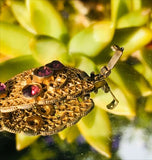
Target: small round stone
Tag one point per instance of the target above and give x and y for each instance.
(31, 90)
(2, 87)
(43, 71)
(55, 65)
(3, 90)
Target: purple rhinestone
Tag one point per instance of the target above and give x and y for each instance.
(55, 65)
(2, 87)
(31, 90)
(43, 71)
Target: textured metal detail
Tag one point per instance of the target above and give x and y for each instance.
(45, 100)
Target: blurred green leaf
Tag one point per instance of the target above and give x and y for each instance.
(147, 64)
(38, 151)
(134, 19)
(85, 64)
(136, 4)
(70, 133)
(14, 66)
(128, 78)
(147, 56)
(92, 40)
(14, 40)
(6, 14)
(148, 105)
(23, 141)
(118, 8)
(95, 128)
(46, 20)
(144, 66)
(22, 15)
(45, 49)
(131, 39)
(130, 81)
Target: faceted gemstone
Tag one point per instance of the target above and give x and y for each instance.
(31, 90)
(2, 87)
(55, 65)
(3, 90)
(43, 71)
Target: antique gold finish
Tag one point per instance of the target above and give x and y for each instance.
(45, 100)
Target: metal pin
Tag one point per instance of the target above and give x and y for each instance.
(115, 57)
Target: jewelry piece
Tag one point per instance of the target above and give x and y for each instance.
(45, 100)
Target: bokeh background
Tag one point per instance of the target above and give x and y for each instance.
(79, 33)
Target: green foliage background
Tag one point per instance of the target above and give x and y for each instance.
(79, 34)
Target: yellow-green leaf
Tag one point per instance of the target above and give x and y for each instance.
(14, 40)
(132, 39)
(134, 19)
(70, 134)
(22, 15)
(85, 64)
(6, 14)
(23, 141)
(46, 49)
(145, 65)
(45, 19)
(148, 105)
(95, 128)
(118, 8)
(147, 57)
(93, 39)
(126, 77)
(14, 66)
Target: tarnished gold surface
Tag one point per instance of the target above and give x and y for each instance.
(61, 102)
(46, 119)
(45, 100)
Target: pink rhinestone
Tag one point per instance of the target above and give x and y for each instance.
(43, 71)
(2, 87)
(34, 90)
(31, 90)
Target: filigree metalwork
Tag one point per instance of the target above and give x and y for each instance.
(45, 100)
